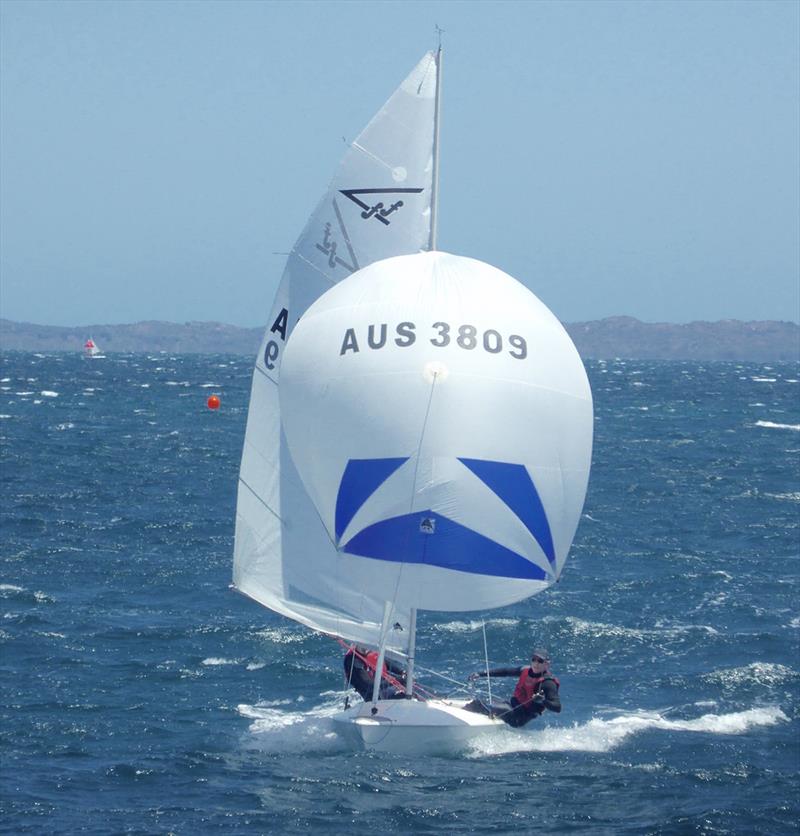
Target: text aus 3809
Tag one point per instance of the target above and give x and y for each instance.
(405, 334)
(440, 335)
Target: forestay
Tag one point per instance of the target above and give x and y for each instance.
(441, 420)
(379, 204)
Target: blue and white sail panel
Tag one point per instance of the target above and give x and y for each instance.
(440, 419)
(377, 205)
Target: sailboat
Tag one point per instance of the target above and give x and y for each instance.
(419, 432)
(91, 349)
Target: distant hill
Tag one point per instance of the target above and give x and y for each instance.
(726, 339)
(152, 336)
(617, 336)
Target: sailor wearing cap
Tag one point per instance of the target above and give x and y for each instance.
(537, 690)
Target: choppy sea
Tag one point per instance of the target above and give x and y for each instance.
(140, 695)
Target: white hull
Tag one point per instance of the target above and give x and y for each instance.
(411, 727)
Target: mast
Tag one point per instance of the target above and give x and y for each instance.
(412, 641)
(435, 173)
(412, 625)
(376, 688)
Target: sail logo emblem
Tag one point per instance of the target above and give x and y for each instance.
(379, 210)
(456, 546)
(427, 525)
(330, 246)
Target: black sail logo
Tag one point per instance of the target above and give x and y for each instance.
(383, 203)
(330, 246)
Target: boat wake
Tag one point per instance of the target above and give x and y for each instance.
(282, 726)
(286, 726)
(603, 735)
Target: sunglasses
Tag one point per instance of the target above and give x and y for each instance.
(538, 659)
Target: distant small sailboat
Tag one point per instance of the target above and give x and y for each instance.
(91, 349)
(420, 427)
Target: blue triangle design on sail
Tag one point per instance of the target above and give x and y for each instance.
(361, 478)
(429, 538)
(513, 484)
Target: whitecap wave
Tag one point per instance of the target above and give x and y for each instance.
(764, 673)
(791, 497)
(599, 630)
(48, 394)
(10, 588)
(216, 660)
(603, 735)
(475, 624)
(773, 426)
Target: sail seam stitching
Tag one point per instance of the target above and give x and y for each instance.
(314, 267)
(277, 516)
(266, 374)
(372, 156)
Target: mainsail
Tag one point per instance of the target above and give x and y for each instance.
(379, 204)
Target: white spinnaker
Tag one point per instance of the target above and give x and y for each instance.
(461, 408)
(377, 205)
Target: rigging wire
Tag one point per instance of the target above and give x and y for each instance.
(414, 481)
(384, 675)
(349, 679)
(442, 676)
(486, 657)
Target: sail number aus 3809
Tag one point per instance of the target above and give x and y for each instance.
(441, 335)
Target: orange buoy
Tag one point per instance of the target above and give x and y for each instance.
(213, 402)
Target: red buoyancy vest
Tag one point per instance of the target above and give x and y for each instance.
(528, 685)
(372, 663)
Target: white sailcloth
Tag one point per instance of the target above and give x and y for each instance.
(379, 204)
(440, 418)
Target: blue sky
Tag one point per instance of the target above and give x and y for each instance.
(638, 158)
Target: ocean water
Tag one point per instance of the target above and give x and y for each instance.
(141, 695)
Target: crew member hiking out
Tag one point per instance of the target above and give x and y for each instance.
(359, 673)
(537, 690)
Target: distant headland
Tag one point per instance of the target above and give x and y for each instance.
(616, 336)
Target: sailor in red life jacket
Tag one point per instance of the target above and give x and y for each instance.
(359, 671)
(537, 690)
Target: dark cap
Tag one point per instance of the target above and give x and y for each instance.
(542, 653)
